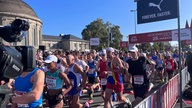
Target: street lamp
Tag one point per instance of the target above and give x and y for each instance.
(134, 11)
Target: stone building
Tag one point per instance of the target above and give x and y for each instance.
(65, 42)
(14, 9)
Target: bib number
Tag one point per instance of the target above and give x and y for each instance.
(91, 71)
(138, 79)
(110, 73)
(51, 82)
(20, 93)
(103, 81)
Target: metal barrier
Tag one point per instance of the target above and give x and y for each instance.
(167, 94)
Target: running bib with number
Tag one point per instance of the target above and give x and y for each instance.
(51, 82)
(20, 93)
(110, 73)
(91, 71)
(138, 79)
(103, 81)
(169, 66)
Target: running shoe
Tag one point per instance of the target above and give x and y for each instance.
(90, 101)
(86, 105)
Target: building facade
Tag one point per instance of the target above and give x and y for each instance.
(65, 42)
(17, 9)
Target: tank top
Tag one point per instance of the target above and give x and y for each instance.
(114, 77)
(103, 67)
(53, 80)
(138, 71)
(170, 65)
(23, 85)
(92, 67)
(74, 77)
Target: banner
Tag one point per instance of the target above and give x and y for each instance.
(185, 34)
(187, 42)
(150, 37)
(156, 10)
(169, 35)
(94, 41)
(124, 44)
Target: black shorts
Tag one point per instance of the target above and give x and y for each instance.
(170, 72)
(52, 100)
(140, 91)
(103, 87)
(160, 68)
(92, 80)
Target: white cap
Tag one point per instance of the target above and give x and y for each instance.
(110, 49)
(168, 55)
(133, 48)
(51, 58)
(103, 52)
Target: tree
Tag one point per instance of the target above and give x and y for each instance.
(101, 30)
(116, 37)
(145, 47)
(155, 46)
(96, 29)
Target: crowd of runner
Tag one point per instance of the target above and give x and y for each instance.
(69, 75)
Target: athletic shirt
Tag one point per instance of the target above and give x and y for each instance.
(160, 63)
(170, 65)
(137, 69)
(60, 65)
(103, 67)
(22, 86)
(74, 78)
(114, 77)
(53, 80)
(92, 67)
(176, 57)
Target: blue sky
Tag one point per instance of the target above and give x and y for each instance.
(72, 16)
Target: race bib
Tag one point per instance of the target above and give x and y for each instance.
(177, 59)
(138, 79)
(110, 73)
(103, 81)
(160, 65)
(51, 82)
(91, 71)
(169, 66)
(20, 93)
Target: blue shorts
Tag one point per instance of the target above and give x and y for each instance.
(73, 91)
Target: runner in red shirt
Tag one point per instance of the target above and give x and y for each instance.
(170, 65)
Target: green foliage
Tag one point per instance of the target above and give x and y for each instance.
(101, 30)
(145, 46)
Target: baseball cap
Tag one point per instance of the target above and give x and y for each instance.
(103, 52)
(110, 49)
(51, 58)
(133, 48)
(168, 55)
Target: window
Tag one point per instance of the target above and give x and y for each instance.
(23, 42)
(75, 46)
(33, 38)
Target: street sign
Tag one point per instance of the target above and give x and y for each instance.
(94, 41)
(124, 44)
(156, 10)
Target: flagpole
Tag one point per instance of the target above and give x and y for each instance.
(179, 43)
